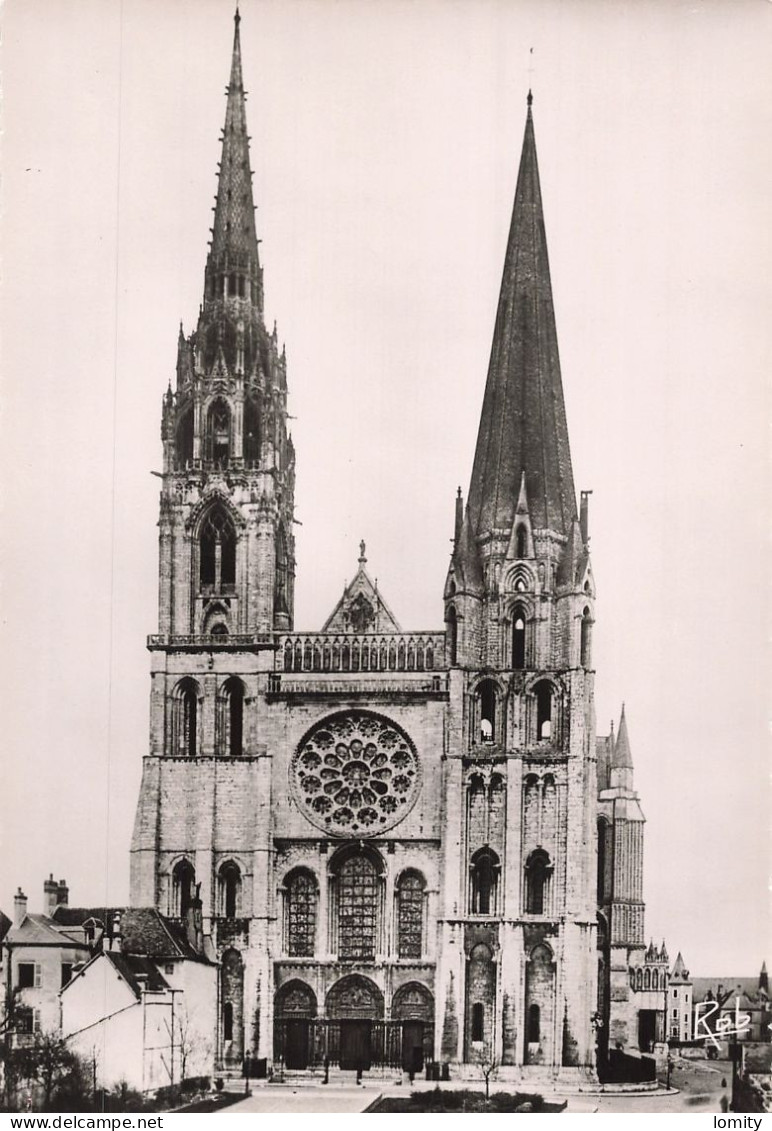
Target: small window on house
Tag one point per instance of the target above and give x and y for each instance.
(26, 975)
(534, 1025)
(169, 968)
(24, 1020)
(478, 1020)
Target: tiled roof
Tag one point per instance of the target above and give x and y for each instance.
(144, 930)
(746, 988)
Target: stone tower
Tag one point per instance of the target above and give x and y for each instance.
(519, 932)
(226, 579)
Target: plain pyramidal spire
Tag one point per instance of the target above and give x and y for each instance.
(622, 756)
(523, 429)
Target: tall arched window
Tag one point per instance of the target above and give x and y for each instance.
(521, 542)
(534, 1025)
(586, 632)
(183, 888)
(452, 622)
(358, 899)
(217, 551)
(486, 696)
(478, 1018)
(229, 889)
(251, 430)
(543, 693)
(231, 721)
(410, 914)
(184, 438)
(537, 873)
(300, 895)
(484, 882)
(218, 432)
(518, 639)
(185, 719)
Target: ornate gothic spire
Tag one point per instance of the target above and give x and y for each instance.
(523, 429)
(233, 264)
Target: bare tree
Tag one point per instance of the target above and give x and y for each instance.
(488, 1067)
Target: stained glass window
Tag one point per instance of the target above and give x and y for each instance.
(357, 908)
(301, 915)
(410, 914)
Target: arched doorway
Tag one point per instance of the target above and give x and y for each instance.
(413, 1006)
(354, 1005)
(294, 1010)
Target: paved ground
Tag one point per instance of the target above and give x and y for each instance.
(699, 1089)
(281, 1098)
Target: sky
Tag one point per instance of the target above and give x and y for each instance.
(385, 143)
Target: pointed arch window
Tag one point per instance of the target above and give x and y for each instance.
(185, 719)
(478, 1021)
(410, 915)
(485, 869)
(184, 438)
(518, 638)
(521, 542)
(229, 889)
(183, 888)
(538, 871)
(300, 904)
(218, 432)
(217, 551)
(251, 430)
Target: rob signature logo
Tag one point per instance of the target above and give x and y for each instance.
(726, 1026)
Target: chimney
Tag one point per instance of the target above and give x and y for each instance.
(116, 937)
(19, 907)
(63, 894)
(50, 893)
(194, 923)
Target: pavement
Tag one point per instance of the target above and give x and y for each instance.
(696, 1087)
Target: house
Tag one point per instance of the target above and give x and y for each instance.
(725, 999)
(143, 1009)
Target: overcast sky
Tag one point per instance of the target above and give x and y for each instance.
(385, 142)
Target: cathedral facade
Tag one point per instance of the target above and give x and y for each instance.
(390, 837)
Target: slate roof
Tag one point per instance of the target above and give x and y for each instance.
(144, 931)
(132, 967)
(746, 988)
(523, 425)
(39, 930)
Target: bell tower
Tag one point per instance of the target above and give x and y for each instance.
(226, 590)
(518, 613)
(226, 544)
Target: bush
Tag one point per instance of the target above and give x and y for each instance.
(195, 1084)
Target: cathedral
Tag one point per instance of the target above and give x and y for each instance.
(402, 848)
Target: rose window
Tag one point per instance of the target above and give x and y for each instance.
(355, 774)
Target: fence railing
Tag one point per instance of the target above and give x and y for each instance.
(361, 652)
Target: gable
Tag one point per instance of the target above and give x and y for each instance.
(361, 608)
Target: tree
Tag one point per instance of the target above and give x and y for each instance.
(49, 1062)
(191, 1045)
(487, 1068)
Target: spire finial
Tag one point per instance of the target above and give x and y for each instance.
(362, 558)
(236, 17)
(529, 99)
